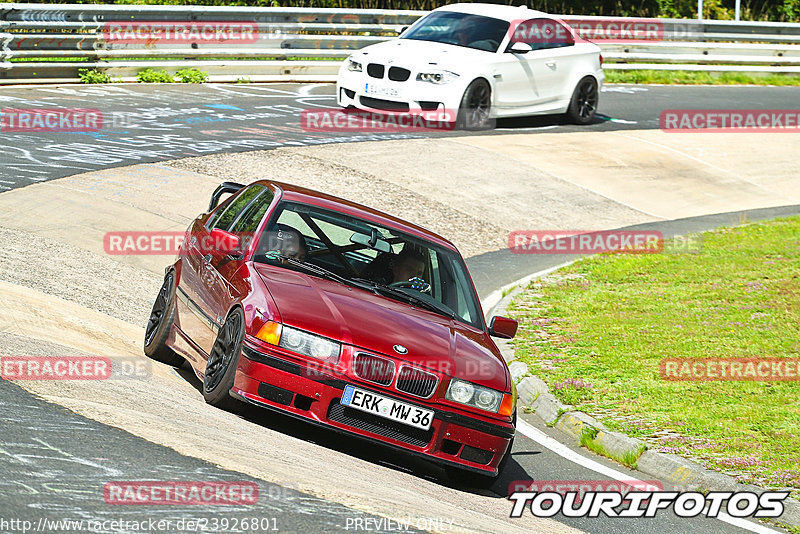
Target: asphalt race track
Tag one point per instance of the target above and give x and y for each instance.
(147, 123)
(55, 462)
(49, 475)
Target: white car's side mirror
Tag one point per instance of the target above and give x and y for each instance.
(520, 48)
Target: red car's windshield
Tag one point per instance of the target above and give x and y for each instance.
(353, 249)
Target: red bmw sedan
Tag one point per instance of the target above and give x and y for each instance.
(342, 316)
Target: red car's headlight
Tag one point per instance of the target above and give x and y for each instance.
(464, 392)
(299, 341)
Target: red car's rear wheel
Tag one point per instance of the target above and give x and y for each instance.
(159, 324)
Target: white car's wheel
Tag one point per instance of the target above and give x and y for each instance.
(473, 112)
(583, 105)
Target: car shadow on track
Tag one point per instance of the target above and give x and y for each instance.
(360, 448)
(547, 122)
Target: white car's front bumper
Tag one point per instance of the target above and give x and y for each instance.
(360, 90)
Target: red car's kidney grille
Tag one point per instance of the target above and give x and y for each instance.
(374, 368)
(416, 382)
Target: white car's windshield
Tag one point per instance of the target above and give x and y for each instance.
(460, 29)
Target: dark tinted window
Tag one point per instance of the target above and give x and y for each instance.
(236, 207)
(543, 33)
(460, 29)
(248, 222)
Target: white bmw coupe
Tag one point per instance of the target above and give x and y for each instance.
(476, 63)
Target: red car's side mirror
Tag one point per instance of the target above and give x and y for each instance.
(503, 327)
(225, 242)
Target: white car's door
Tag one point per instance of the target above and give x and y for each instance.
(541, 75)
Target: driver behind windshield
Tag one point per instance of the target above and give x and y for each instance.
(389, 268)
(409, 264)
(291, 243)
(464, 32)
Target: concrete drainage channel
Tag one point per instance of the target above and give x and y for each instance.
(585, 430)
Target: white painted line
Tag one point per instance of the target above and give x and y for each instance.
(565, 452)
(568, 454)
(306, 89)
(305, 101)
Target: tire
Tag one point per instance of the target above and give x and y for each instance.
(475, 106)
(160, 323)
(583, 105)
(223, 362)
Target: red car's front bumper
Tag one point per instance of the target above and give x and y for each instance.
(270, 381)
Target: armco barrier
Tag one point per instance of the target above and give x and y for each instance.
(49, 43)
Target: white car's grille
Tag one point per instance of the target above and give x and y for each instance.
(376, 70)
(399, 74)
(383, 105)
(396, 74)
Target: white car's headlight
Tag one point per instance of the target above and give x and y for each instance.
(438, 77)
(310, 345)
(353, 66)
(464, 392)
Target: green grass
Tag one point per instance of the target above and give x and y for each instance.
(93, 76)
(597, 330)
(678, 77)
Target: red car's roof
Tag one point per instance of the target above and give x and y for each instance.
(309, 196)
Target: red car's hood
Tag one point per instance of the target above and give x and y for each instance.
(377, 323)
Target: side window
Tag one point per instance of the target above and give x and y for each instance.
(248, 223)
(236, 207)
(542, 34)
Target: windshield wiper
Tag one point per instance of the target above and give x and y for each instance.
(422, 303)
(322, 272)
(363, 283)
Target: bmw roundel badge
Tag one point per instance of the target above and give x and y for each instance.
(400, 349)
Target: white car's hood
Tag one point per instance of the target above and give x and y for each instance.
(414, 54)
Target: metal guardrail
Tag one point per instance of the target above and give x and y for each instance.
(49, 43)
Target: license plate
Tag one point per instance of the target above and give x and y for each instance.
(370, 402)
(380, 90)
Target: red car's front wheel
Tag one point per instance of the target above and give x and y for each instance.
(223, 361)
